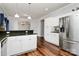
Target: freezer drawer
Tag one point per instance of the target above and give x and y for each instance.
(72, 47)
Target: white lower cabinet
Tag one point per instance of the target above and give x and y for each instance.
(13, 45)
(32, 42)
(24, 43)
(52, 38)
(20, 44)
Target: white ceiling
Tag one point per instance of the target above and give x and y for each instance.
(37, 10)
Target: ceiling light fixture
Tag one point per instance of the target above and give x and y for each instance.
(29, 17)
(16, 15)
(46, 9)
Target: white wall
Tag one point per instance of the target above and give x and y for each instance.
(35, 25)
(62, 11)
(52, 19)
(15, 25)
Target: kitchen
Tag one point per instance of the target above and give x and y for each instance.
(18, 37)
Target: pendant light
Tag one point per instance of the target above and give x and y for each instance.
(29, 5)
(29, 17)
(16, 15)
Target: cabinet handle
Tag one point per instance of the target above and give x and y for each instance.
(3, 42)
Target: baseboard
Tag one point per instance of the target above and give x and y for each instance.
(24, 52)
(40, 37)
(63, 49)
(53, 44)
(47, 41)
(69, 52)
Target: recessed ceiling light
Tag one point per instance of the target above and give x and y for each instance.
(29, 17)
(46, 9)
(16, 16)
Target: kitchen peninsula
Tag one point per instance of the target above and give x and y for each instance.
(18, 42)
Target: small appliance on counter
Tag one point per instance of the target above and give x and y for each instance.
(55, 29)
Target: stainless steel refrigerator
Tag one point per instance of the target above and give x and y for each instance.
(69, 33)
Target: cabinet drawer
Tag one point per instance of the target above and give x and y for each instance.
(72, 47)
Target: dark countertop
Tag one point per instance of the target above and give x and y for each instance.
(16, 30)
(16, 33)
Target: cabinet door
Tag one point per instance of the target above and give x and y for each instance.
(54, 38)
(48, 37)
(13, 46)
(28, 42)
(24, 43)
(32, 42)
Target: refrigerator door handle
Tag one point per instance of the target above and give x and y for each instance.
(71, 42)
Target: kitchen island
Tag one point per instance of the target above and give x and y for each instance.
(15, 44)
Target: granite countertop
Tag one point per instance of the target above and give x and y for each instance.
(3, 34)
(15, 30)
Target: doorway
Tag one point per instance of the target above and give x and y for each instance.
(42, 28)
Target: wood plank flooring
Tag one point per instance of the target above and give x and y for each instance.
(47, 49)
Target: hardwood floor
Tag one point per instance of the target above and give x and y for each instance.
(47, 49)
